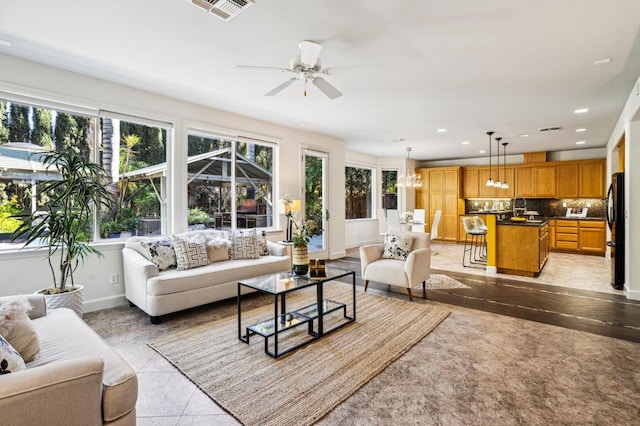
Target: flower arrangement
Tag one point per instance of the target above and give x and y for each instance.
(288, 202)
(406, 217)
(304, 232)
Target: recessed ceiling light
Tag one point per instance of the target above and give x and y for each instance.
(602, 61)
(465, 142)
(442, 130)
(482, 151)
(5, 43)
(524, 135)
(581, 130)
(580, 143)
(581, 110)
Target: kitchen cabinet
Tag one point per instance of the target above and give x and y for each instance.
(552, 234)
(442, 193)
(470, 183)
(567, 184)
(591, 237)
(591, 183)
(579, 236)
(510, 179)
(536, 181)
(580, 179)
(522, 249)
(524, 181)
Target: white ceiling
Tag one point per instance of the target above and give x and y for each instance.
(406, 67)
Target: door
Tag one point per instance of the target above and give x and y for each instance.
(315, 200)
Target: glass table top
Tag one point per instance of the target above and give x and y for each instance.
(284, 282)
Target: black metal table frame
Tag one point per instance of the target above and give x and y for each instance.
(283, 314)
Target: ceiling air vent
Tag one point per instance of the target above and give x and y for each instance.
(223, 9)
(550, 129)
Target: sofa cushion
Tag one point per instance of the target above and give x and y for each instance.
(161, 253)
(16, 327)
(77, 340)
(397, 246)
(10, 359)
(217, 248)
(243, 245)
(190, 253)
(261, 242)
(174, 281)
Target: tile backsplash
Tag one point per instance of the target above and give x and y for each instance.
(547, 207)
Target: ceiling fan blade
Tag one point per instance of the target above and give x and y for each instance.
(257, 67)
(326, 88)
(281, 87)
(309, 52)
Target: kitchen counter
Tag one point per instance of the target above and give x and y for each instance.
(522, 248)
(537, 222)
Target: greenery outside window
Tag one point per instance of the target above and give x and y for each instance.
(389, 189)
(358, 192)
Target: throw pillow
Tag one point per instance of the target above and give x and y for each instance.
(10, 359)
(261, 241)
(16, 327)
(217, 248)
(161, 253)
(243, 246)
(397, 246)
(190, 253)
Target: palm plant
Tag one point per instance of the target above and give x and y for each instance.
(65, 221)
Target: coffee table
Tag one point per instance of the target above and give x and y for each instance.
(312, 314)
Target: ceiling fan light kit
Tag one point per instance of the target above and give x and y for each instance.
(306, 65)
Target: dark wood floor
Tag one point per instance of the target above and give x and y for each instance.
(590, 311)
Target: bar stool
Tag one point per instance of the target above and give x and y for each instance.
(482, 227)
(473, 237)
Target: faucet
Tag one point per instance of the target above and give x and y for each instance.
(519, 209)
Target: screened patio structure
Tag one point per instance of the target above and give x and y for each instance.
(212, 174)
(21, 163)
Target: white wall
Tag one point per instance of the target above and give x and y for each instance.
(629, 125)
(27, 272)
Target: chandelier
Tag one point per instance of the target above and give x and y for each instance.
(505, 185)
(412, 180)
(490, 180)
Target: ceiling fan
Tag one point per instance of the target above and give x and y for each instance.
(306, 66)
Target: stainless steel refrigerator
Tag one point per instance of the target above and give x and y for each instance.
(615, 219)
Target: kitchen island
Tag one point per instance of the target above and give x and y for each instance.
(522, 248)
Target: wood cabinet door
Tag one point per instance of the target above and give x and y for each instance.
(436, 180)
(509, 192)
(450, 216)
(552, 234)
(451, 181)
(592, 180)
(545, 181)
(524, 181)
(591, 237)
(484, 190)
(567, 180)
(422, 201)
(470, 188)
(424, 174)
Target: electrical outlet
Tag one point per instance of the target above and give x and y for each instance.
(588, 204)
(564, 204)
(113, 278)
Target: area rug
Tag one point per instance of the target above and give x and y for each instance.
(442, 282)
(299, 388)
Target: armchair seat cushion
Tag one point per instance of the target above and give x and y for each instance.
(388, 271)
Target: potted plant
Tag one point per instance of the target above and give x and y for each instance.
(300, 239)
(63, 224)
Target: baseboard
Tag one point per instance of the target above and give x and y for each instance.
(105, 303)
(631, 294)
(338, 254)
(492, 270)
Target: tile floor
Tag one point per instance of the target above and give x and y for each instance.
(166, 397)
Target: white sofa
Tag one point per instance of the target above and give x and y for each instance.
(76, 379)
(163, 292)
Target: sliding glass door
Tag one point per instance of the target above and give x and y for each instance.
(315, 200)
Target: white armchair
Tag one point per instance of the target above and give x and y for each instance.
(407, 273)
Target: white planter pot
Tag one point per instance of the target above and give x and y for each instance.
(73, 300)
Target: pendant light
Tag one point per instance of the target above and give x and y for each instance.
(505, 185)
(497, 183)
(489, 181)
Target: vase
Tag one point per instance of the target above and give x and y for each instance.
(72, 299)
(300, 260)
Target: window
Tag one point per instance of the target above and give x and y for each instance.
(389, 189)
(134, 155)
(358, 188)
(27, 132)
(230, 182)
